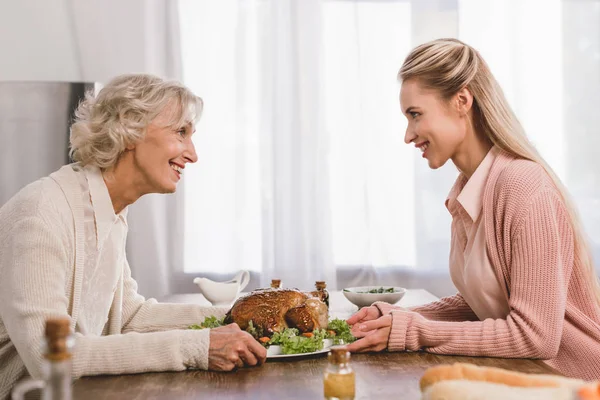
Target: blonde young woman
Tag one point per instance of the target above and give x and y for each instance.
(519, 259)
(62, 245)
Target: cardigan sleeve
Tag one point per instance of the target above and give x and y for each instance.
(34, 265)
(451, 308)
(541, 260)
(141, 315)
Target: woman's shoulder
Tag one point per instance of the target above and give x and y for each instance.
(43, 198)
(519, 176)
(515, 185)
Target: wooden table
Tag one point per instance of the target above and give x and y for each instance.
(378, 375)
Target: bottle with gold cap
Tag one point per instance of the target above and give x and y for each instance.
(57, 350)
(275, 283)
(322, 292)
(339, 378)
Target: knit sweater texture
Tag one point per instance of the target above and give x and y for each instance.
(42, 254)
(553, 316)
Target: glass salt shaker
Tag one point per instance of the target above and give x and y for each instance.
(339, 378)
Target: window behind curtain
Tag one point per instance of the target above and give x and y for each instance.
(372, 171)
(387, 209)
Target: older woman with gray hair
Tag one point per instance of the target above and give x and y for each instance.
(62, 245)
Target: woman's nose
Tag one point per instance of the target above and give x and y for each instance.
(190, 152)
(409, 136)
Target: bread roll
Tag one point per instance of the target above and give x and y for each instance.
(470, 382)
(493, 375)
(480, 390)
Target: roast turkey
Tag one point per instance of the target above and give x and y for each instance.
(272, 310)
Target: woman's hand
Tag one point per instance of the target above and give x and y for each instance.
(364, 314)
(372, 335)
(231, 347)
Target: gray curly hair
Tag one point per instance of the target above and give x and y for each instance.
(106, 124)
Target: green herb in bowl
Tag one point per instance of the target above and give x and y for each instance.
(363, 296)
(379, 290)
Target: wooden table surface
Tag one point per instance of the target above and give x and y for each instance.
(378, 375)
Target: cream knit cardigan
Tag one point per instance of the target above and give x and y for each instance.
(42, 256)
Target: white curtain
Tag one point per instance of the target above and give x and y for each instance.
(138, 36)
(303, 173)
(258, 198)
(154, 246)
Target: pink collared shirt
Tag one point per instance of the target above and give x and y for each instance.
(470, 266)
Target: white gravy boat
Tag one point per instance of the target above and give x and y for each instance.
(223, 293)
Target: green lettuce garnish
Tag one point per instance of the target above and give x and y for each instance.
(292, 343)
(255, 331)
(209, 322)
(342, 331)
(290, 339)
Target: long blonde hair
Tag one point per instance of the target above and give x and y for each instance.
(448, 65)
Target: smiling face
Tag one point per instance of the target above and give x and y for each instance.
(434, 126)
(160, 158)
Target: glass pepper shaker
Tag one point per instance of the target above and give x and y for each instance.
(56, 368)
(339, 378)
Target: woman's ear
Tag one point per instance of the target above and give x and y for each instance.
(463, 101)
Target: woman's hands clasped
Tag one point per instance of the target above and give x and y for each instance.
(371, 329)
(364, 314)
(231, 348)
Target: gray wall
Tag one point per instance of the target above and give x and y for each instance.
(83, 40)
(34, 130)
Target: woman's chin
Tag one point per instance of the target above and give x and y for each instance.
(166, 188)
(434, 164)
(436, 161)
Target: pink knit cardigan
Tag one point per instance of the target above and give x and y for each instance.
(553, 315)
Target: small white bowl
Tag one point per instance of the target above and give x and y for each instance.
(357, 295)
(222, 294)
